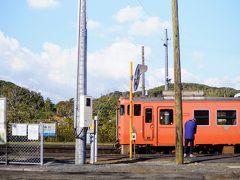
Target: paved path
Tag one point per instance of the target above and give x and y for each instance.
(119, 167)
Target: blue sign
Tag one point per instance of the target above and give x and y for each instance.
(49, 129)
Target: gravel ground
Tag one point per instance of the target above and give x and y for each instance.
(120, 167)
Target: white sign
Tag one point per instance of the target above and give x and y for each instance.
(19, 129)
(134, 136)
(3, 129)
(33, 132)
(49, 129)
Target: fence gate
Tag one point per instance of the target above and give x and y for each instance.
(24, 144)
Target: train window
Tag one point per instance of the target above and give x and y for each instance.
(166, 116)
(226, 117)
(122, 110)
(202, 117)
(148, 115)
(128, 109)
(137, 109)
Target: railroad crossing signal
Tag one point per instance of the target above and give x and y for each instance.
(140, 69)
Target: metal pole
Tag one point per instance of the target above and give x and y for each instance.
(116, 124)
(80, 148)
(96, 138)
(131, 116)
(92, 142)
(134, 150)
(143, 74)
(177, 85)
(6, 146)
(166, 61)
(41, 144)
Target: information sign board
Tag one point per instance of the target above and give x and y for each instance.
(33, 132)
(49, 129)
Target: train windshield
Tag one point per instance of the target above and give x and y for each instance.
(121, 110)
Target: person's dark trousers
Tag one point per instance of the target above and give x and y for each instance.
(191, 141)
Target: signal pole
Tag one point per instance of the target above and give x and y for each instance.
(80, 132)
(130, 112)
(167, 80)
(177, 85)
(143, 74)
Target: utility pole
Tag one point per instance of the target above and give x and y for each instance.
(143, 74)
(177, 85)
(80, 132)
(167, 80)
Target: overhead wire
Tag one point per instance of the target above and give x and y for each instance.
(145, 10)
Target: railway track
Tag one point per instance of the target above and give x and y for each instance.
(70, 149)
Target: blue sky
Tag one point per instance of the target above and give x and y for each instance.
(38, 43)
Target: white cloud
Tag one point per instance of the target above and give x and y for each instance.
(188, 76)
(147, 27)
(18, 65)
(129, 13)
(215, 82)
(114, 61)
(136, 23)
(156, 77)
(52, 71)
(59, 63)
(7, 42)
(109, 67)
(91, 24)
(42, 4)
(223, 82)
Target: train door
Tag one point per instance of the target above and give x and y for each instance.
(148, 124)
(166, 126)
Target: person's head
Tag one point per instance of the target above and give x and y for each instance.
(194, 119)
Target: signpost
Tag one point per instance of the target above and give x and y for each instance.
(140, 69)
(3, 123)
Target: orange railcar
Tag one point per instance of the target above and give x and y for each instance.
(154, 120)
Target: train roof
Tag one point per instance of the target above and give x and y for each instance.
(153, 99)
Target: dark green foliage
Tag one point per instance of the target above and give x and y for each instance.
(22, 105)
(208, 91)
(65, 130)
(65, 108)
(105, 108)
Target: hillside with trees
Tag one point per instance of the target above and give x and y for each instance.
(208, 90)
(25, 106)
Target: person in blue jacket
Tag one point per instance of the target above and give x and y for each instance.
(190, 131)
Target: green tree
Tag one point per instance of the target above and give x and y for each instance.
(66, 131)
(65, 108)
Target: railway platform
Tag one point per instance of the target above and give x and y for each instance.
(115, 166)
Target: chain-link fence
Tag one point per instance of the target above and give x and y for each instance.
(24, 144)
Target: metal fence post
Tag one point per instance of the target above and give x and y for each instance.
(95, 138)
(6, 146)
(41, 144)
